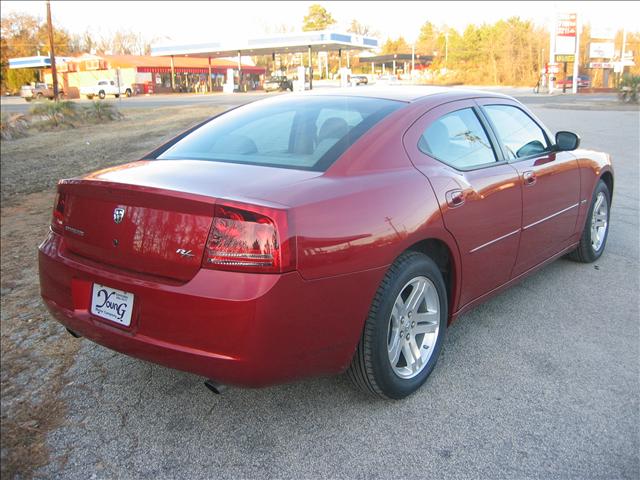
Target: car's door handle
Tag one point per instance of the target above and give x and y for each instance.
(529, 177)
(455, 198)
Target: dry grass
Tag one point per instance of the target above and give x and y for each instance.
(14, 126)
(35, 163)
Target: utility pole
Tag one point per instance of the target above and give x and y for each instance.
(52, 54)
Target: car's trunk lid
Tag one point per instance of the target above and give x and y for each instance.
(154, 217)
(151, 231)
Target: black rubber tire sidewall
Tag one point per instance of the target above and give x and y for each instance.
(391, 385)
(585, 252)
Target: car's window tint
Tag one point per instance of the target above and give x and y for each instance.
(521, 136)
(270, 135)
(305, 132)
(458, 139)
(351, 117)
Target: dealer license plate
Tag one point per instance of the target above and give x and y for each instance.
(112, 304)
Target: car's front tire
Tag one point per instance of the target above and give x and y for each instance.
(596, 228)
(405, 329)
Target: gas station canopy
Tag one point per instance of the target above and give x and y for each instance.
(39, 61)
(324, 40)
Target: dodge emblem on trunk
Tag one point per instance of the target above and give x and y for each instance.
(118, 214)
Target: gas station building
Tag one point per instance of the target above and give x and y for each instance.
(203, 67)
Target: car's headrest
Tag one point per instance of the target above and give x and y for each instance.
(333, 127)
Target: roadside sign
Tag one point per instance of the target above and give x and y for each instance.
(601, 50)
(601, 65)
(566, 26)
(566, 29)
(564, 58)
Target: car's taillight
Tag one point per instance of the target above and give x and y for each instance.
(57, 222)
(249, 239)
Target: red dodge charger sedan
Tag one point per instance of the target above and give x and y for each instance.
(316, 233)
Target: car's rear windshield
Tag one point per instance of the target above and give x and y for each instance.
(301, 132)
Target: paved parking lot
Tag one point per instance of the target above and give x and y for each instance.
(540, 382)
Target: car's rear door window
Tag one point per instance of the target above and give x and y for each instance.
(519, 134)
(304, 132)
(458, 139)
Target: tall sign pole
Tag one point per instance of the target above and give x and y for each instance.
(565, 47)
(552, 53)
(576, 60)
(52, 54)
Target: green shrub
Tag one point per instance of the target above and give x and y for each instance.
(55, 114)
(13, 126)
(101, 111)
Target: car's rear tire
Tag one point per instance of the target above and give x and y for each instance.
(90, 97)
(101, 94)
(596, 229)
(405, 329)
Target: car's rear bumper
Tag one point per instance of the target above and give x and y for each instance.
(236, 328)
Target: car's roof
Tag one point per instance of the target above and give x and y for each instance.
(402, 93)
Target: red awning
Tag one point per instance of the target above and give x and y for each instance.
(216, 69)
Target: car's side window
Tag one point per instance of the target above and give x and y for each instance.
(521, 136)
(458, 139)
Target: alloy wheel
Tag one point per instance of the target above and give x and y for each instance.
(599, 221)
(413, 327)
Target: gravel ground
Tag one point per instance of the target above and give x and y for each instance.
(539, 382)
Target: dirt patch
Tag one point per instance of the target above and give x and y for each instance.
(37, 351)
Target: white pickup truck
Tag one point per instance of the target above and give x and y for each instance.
(104, 88)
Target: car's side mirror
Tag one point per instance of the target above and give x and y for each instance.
(567, 141)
